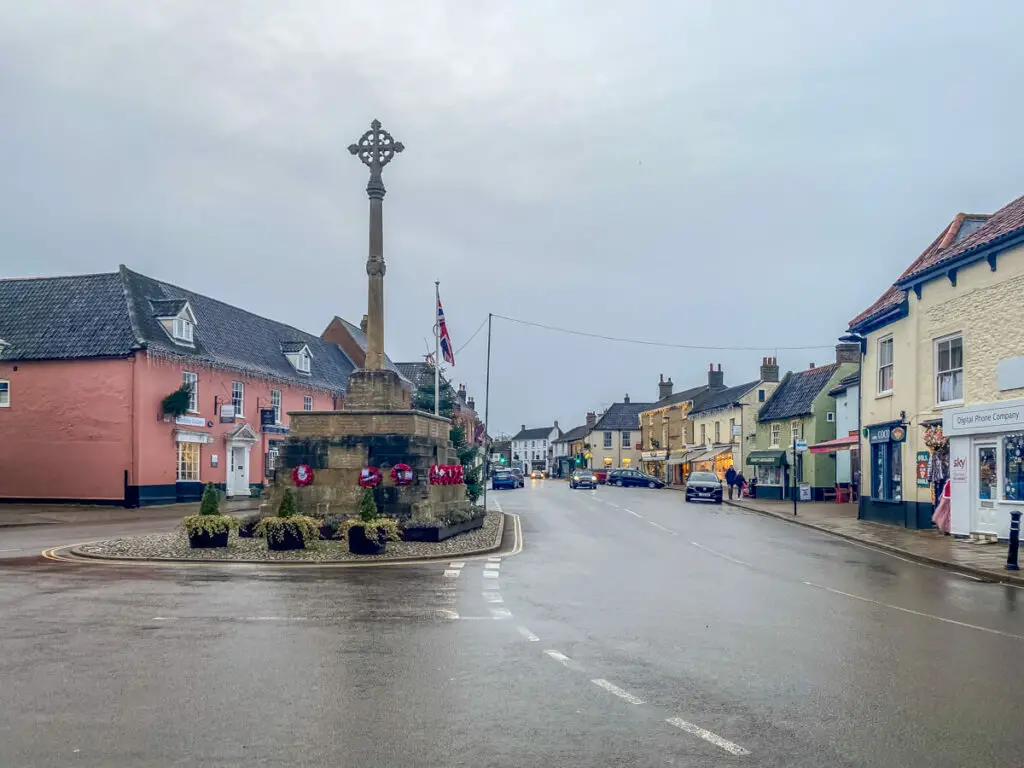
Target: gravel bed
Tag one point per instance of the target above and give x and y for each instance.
(174, 546)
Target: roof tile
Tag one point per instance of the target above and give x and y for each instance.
(796, 394)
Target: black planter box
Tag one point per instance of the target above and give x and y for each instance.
(204, 540)
(290, 540)
(441, 533)
(360, 544)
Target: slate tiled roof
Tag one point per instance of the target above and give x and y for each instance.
(292, 347)
(576, 433)
(679, 397)
(721, 398)
(845, 383)
(938, 250)
(534, 433)
(796, 394)
(360, 339)
(113, 315)
(621, 416)
(61, 318)
(232, 338)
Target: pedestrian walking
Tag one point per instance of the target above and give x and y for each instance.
(741, 483)
(730, 478)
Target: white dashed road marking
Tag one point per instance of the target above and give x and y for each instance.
(459, 564)
(490, 574)
(494, 559)
(708, 736)
(634, 514)
(918, 613)
(452, 573)
(493, 597)
(492, 566)
(561, 658)
(626, 695)
(528, 634)
(447, 614)
(711, 551)
(500, 613)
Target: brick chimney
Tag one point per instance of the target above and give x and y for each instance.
(664, 387)
(810, 366)
(591, 420)
(462, 392)
(471, 403)
(848, 352)
(716, 379)
(556, 425)
(769, 369)
(625, 398)
(523, 429)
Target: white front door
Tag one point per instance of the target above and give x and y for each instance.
(238, 472)
(986, 489)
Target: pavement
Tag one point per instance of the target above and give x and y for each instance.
(12, 515)
(984, 560)
(632, 629)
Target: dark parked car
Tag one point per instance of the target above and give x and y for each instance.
(704, 486)
(503, 478)
(633, 477)
(582, 478)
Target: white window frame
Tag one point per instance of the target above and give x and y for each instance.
(307, 403)
(796, 430)
(776, 434)
(937, 373)
(302, 361)
(762, 395)
(191, 380)
(609, 441)
(188, 476)
(182, 329)
(275, 403)
(830, 416)
(718, 433)
(5, 393)
(703, 434)
(891, 366)
(238, 398)
(627, 436)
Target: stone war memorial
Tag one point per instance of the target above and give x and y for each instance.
(377, 429)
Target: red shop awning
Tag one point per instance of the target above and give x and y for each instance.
(839, 444)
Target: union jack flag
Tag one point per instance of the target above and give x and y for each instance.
(446, 341)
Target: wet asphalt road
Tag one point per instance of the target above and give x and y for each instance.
(717, 637)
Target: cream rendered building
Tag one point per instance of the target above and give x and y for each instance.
(945, 344)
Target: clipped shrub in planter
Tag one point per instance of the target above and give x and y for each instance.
(289, 530)
(247, 528)
(369, 535)
(209, 529)
(331, 527)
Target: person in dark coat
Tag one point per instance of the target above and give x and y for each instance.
(730, 478)
(741, 483)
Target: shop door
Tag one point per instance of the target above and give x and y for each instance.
(986, 489)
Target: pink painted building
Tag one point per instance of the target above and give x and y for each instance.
(86, 361)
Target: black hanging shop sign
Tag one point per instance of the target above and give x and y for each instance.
(267, 417)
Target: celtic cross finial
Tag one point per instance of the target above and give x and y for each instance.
(376, 148)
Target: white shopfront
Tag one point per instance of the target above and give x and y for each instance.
(986, 466)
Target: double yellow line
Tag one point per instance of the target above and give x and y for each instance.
(62, 554)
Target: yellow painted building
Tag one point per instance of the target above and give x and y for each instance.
(667, 433)
(944, 343)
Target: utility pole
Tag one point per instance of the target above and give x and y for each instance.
(487, 412)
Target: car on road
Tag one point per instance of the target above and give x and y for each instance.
(601, 475)
(634, 478)
(537, 475)
(503, 478)
(704, 486)
(582, 478)
(520, 480)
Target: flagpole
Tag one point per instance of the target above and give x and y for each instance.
(437, 349)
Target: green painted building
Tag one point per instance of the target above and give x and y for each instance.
(800, 409)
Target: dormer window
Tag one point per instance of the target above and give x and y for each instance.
(298, 355)
(177, 319)
(182, 330)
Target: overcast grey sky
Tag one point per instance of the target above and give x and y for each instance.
(705, 172)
